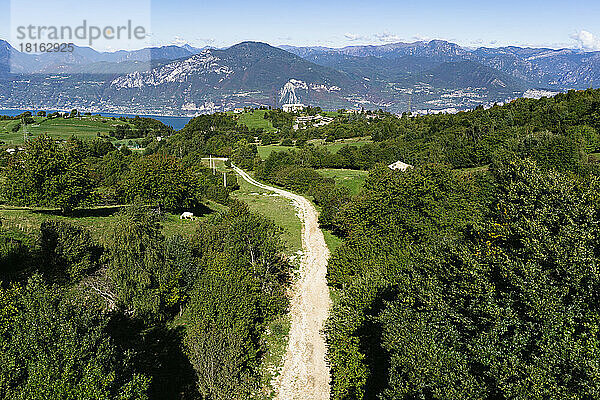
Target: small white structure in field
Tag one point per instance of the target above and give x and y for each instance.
(187, 215)
(400, 166)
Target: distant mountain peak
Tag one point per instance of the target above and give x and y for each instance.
(432, 74)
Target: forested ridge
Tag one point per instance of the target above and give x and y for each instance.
(472, 275)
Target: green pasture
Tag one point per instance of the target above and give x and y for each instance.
(352, 179)
(256, 120)
(84, 127)
(265, 151)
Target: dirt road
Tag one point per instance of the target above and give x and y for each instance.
(305, 374)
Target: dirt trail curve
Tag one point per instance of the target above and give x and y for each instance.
(305, 374)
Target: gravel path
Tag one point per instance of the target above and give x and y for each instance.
(305, 373)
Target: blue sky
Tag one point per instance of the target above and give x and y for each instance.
(469, 23)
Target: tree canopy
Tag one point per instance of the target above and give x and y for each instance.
(49, 175)
(499, 303)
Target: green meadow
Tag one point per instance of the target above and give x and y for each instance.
(265, 151)
(352, 179)
(256, 120)
(84, 127)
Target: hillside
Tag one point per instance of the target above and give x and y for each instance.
(495, 227)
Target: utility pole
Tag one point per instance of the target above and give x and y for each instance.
(225, 179)
(25, 133)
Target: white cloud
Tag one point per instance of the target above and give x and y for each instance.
(587, 40)
(353, 37)
(384, 37)
(387, 37)
(179, 41)
(421, 38)
(205, 41)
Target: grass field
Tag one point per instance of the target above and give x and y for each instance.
(352, 179)
(255, 120)
(332, 241)
(265, 151)
(84, 127)
(277, 209)
(98, 220)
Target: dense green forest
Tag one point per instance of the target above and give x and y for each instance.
(136, 315)
(472, 275)
(468, 286)
(455, 284)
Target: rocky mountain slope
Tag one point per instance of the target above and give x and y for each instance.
(184, 80)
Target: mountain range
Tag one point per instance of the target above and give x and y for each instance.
(183, 80)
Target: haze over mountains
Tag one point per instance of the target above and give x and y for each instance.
(179, 80)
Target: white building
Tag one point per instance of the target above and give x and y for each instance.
(293, 107)
(314, 121)
(400, 166)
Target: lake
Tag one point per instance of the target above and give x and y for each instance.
(176, 123)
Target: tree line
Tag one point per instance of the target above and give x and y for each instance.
(76, 173)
